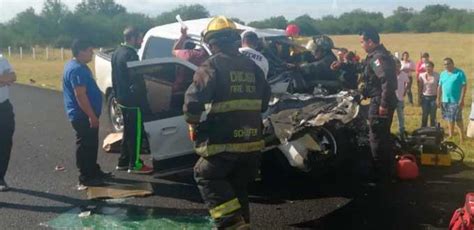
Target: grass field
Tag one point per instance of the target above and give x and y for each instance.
(460, 47)
(44, 73)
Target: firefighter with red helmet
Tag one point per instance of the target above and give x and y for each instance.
(229, 140)
(296, 53)
(292, 30)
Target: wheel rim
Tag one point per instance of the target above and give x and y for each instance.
(327, 143)
(116, 115)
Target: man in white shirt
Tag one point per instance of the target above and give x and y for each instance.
(7, 122)
(249, 45)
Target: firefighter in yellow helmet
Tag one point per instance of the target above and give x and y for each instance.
(230, 138)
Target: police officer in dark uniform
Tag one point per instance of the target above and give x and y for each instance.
(130, 94)
(230, 138)
(380, 84)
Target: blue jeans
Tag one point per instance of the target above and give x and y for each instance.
(428, 108)
(401, 117)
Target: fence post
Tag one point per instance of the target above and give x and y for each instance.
(47, 53)
(9, 51)
(21, 53)
(34, 52)
(62, 53)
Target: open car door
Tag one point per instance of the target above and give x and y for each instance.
(166, 80)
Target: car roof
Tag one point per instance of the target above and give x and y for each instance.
(195, 27)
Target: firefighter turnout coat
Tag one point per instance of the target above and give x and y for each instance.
(233, 90)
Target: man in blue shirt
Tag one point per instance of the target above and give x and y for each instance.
(451, 91)
(83, 104)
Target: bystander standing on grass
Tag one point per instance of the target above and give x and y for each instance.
(451, 92)
(470, 126)
(408, 66)
(420, 68)
(428, 82)
(402, 86)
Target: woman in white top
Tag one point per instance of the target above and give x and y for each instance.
(428, 90)
(408, 67)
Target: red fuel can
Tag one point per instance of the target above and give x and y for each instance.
(407, 169)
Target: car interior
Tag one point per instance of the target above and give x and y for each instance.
(165, 86)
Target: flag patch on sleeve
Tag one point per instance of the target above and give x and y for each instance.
(377, 62)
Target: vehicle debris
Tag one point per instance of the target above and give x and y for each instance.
(59, 168)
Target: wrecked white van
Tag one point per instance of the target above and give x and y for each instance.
(301, 129)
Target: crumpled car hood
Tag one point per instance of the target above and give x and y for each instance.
(290, 114)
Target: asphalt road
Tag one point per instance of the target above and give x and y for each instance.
(44, 139)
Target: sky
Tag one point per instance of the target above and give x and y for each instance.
(249, 10)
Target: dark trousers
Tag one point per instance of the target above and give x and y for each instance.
(132, 138)
(409, 93)
(428, 107)
(381, 143)
(7, 128)
(224, 177)
(87, 144)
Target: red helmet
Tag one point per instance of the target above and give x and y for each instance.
(292, 30)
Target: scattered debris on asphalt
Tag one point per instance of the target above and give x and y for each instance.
(81, 187)
(85, 214)
(59, 168)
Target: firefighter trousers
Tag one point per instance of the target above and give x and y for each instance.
(222, 180)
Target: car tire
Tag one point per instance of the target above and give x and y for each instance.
(275, 168)
(114, 113)
(323, 162)
(348, 155)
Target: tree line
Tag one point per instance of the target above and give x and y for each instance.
(432, 18)
(102, 22)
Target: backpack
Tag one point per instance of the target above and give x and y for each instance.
(463, 218)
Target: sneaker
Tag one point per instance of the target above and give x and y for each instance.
(121, 168)
(81, 187)
(3, 186)
(143, 170)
